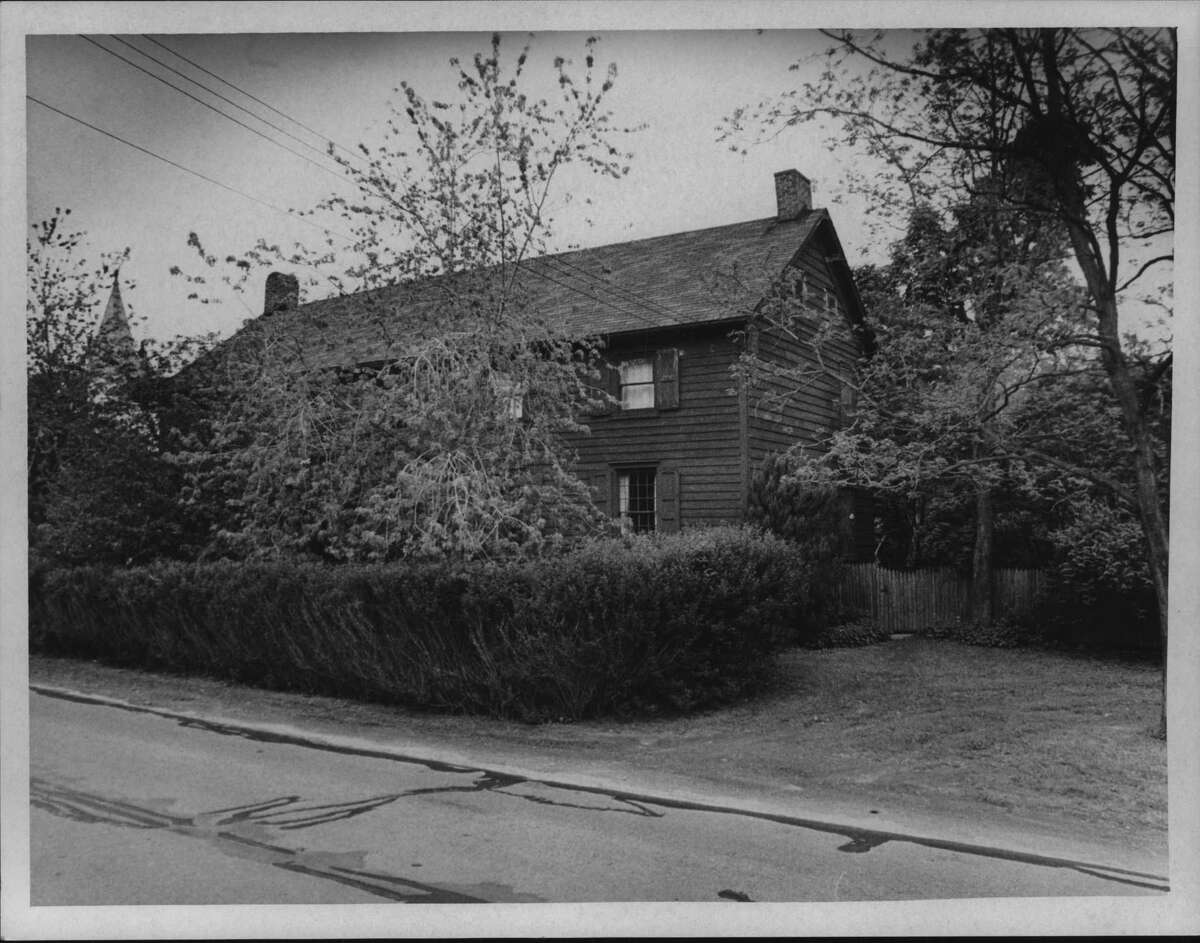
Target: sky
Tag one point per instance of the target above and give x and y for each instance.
(681, 176)
(333, 68)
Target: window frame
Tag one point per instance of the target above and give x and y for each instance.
(646, 520)
(663, 381)
(640, 385)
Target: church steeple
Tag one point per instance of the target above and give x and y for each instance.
(114, 334)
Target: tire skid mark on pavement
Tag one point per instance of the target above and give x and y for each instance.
(859, 840)
(237, 831)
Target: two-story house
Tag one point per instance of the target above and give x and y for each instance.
(675, 313)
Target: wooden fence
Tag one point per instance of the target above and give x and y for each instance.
(912, 600)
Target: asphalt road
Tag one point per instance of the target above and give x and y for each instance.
(130, 807)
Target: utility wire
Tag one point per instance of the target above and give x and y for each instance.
(281, 210)
(278, 209)
(237, 88)
(223, 114)
(634, 297)
(580, 291)
(637, 299)
(272, 206)
(194, 173)
(223, 98)
(360, 184)
(296, 121)
(640, 300)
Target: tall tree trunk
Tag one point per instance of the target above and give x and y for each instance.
(982, 572)
(1133, 417)
(1101, 281)
(1150, 510)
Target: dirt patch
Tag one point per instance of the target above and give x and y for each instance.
(1057, 741)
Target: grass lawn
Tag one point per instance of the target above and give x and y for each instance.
(1042, 736)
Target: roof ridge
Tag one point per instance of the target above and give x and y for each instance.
(765, 221)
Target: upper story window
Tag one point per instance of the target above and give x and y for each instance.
(643, 382)
(637, 384)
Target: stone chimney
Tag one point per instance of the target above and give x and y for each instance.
(283, 293)
(793, 195)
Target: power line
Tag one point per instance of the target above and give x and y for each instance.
(293, 216)
(363, 186)
(640, 300)
(194, 173)
(237, 88)
(359, 183)
(223, 98)
(637, 299)
(579, 291)
(213, 108)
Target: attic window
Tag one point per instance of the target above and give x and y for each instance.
(801, 288)
(830, 299)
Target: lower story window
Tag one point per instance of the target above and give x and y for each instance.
(635, 499)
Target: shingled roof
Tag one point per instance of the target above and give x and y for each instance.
(705, 276)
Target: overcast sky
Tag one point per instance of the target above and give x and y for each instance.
(333, 67)
(681, 176)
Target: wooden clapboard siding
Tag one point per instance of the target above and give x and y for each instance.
(699, 439)
(784, 411)
(724, 424)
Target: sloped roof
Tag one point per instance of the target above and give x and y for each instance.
(708, 275)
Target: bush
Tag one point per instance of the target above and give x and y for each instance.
(1100, 594)
(1003, 633)
(852, 634)
(632, 625)
(810, 517)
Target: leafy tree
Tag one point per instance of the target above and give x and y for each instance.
(100, 486)
(440, 430)
(973, 315)
(1085, 118)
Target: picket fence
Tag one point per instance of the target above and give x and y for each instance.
(913, 600)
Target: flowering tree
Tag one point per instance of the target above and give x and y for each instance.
(441, 431)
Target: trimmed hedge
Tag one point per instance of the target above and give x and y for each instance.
(617, 626)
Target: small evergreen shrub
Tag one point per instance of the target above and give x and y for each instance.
(616, 626)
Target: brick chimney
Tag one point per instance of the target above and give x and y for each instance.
(283, 293)
(793, 195)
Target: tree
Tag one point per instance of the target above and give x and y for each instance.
(971, 316)
(449, 438)
(1085, 118)
(100, 487)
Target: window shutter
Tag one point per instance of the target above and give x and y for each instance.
(666, 501)
(666, 379)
